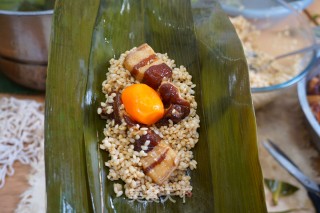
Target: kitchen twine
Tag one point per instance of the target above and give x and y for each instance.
(22, 139)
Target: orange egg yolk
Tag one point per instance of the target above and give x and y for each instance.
(142, 103)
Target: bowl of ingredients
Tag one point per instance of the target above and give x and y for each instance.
(309, 97)
(25, 34)
(266, 44)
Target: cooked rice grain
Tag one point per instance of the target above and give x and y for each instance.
(119, 140)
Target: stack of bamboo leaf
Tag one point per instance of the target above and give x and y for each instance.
(86, 35)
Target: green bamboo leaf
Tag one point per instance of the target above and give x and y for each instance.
(279, 188)
(66, 181)
(104, 47)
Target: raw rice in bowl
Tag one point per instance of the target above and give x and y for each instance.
(263, 42)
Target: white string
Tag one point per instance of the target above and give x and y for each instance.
(33, 200)
(21, 134)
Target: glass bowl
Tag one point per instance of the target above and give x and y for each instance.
(261, 9)
(272, 33)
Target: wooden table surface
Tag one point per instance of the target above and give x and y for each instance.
(17, 184)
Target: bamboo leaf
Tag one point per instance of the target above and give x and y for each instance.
(66, 182)
(279, 188)
(104, 47)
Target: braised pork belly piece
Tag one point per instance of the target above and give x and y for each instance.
(147, 67)
(160, 162)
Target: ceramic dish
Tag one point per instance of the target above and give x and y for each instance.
(262, 9)
(312, 123)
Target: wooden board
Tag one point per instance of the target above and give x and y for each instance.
(14, 186)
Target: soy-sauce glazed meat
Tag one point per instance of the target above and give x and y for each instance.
(313, 95)
(151, 125)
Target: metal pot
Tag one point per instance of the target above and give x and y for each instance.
(24, 36)
(24, 44)
(29, 75)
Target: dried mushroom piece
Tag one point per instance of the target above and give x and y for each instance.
(130, 122)
(177, 108)
(170, 94)
(176, 113)
(155, 74)
(111, 109)
(147, 141)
